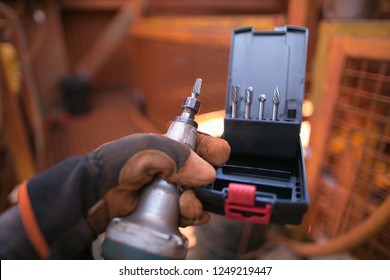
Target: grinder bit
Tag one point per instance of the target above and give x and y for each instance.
(275, 102)
(235, 96)
(183, 129)
(151, 231)
(248, 102)
(262, 99)
(196, 88)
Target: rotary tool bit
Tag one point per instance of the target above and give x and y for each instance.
(275, 102)
(151, 231)
(248, 102)
(183, 129)
(262, 99)
(235, 96)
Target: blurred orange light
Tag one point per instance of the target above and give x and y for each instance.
(211, 123)
(307, 108)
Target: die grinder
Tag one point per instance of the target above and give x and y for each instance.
(151, 231)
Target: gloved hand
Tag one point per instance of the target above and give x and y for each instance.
(61, 210)
(124, 166)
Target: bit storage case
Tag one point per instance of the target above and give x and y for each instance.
(264, 179)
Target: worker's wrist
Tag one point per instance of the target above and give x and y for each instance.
(60, 198)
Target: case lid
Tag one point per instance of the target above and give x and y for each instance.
(266, 61)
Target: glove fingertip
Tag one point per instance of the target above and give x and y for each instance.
(204, 219)
(212, 149)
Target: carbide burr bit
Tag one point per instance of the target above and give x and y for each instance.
(248, 101)
(262, 99)
(235, 97)
(275, 102)
(196, 88)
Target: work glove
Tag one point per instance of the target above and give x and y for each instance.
(61, 211)
(124, 166)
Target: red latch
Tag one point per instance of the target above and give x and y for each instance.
(240, 205)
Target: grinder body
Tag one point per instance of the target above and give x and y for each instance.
(151, 232)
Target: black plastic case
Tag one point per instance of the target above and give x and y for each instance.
(264, 180)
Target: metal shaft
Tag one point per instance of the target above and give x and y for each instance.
(275, 106)
(235, 96)
(248, 102)
(262, 99)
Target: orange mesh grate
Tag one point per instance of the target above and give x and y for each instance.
(108, 120)
(356, 178)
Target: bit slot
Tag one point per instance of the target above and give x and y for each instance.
(265, 167)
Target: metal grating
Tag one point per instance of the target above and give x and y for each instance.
(356, 177)
(166, 72)
(81, 30)
(109, 119)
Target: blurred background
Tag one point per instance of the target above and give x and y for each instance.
(78, 73)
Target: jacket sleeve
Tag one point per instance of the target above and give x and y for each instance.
(49, 221)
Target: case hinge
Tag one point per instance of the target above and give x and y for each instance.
(240, 205)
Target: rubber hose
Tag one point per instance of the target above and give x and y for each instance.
(345, 242)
